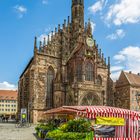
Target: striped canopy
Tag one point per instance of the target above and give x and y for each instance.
(106, 111)
(66, 110)
(94, 111)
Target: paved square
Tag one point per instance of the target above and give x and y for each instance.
(10, 132)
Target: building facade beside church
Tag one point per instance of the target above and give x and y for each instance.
(8, 103)
(68, 69)
(126, 90)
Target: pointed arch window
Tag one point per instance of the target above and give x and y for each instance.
(70, 73)
(89, 71)
(99, 80)
(79, 72)
(50, 78)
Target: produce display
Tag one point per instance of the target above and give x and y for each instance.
(79, 129)
(43, 129)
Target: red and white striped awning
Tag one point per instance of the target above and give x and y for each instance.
(95, 111)
(106, 111)
(67, 110)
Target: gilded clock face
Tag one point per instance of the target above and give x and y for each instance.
(90, 42)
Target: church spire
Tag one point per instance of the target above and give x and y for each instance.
(109, 63)
(44, 41)
(35, 42)
(77, 14)
(89, 29)
(75, 2)
(35, 45)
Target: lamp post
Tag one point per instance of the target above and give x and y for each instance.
(138, 99)
(65, 92)
(29, 107)
(103, 98)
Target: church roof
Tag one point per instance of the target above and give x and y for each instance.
(8, 95)
(27, 66)
(133, 79)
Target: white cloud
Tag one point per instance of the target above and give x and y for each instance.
(98, 6)
(116, 68)
(7, 86)
(93, 25)
(42, 36)
(129, 59)
(118, 34)
(44, 1)
(115, 75)
(48, 29)
(123, 12)
(119, 57)
(20, 10)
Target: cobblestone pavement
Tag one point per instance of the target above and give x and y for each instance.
(10, 132)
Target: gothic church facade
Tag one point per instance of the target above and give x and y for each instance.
(68, 69)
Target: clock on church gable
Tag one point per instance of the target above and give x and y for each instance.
(90, 42)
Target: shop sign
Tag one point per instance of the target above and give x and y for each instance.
(23, 110)
(111, 121)
(23, 114)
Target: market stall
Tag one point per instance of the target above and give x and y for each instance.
(127, 129)
(124, 123)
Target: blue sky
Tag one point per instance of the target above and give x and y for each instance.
(116, 28)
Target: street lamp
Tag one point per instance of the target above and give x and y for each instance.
(65, 92)
(138, 99)
(29, 107)
(103, 97)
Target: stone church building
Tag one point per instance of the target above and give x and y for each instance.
(68, 69)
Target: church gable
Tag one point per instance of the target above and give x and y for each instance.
(79, 52)
(123, 80)
(86, 48)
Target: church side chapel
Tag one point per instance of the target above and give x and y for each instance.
(67, 68)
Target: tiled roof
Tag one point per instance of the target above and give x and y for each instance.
(8, 95)
(133, 79)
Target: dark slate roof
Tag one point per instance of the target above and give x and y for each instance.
(27, 67)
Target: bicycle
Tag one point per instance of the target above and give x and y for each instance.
(22, 124)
